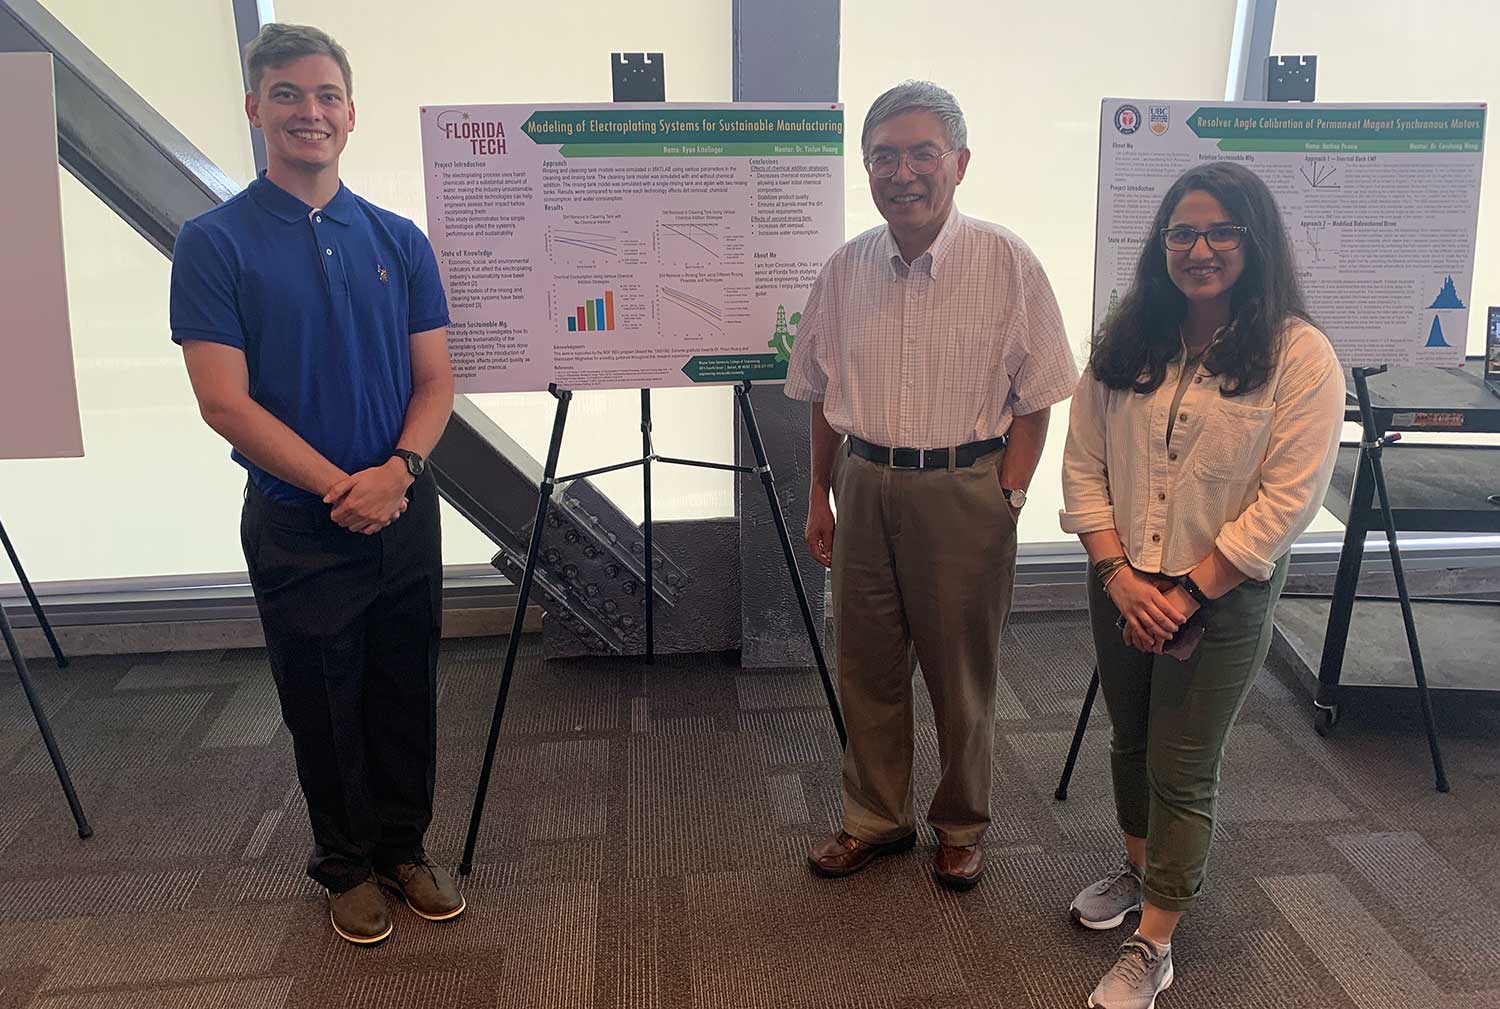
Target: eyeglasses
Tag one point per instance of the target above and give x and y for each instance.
(886, 164)
(1220, 238)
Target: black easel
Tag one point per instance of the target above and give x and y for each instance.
(36, 604)
(1369, 482)
(550, 480)
(637, 77)
(24, 675)
(1083, 723)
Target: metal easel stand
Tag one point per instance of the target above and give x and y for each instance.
(1369, 484)
(24, 675)
(1061, 795)
(36, 604)
(550, 480)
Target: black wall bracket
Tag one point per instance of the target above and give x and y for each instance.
(1291, 78)
(638, 77)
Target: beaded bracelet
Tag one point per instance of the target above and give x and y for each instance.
(1107, 569)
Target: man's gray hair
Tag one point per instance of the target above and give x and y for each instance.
(917, 96)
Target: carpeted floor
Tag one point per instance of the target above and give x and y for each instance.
(644, 848)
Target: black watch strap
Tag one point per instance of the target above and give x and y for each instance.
(1191, 588)
(415, 464)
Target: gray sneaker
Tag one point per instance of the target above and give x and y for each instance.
(1104, 905)
(360, 914)
(1137, 977)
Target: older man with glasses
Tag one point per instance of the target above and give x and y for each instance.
(932, 350)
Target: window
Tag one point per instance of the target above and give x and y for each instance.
(1395, 51)
(156, 494)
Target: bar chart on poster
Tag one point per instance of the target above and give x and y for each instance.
(629, 245)
(38, 396)
(594, 315)
(1380, 202)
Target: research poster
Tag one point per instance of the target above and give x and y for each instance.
(38, 398)
(629, 245)
(1381, 203)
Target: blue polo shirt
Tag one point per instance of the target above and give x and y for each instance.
(323, 303)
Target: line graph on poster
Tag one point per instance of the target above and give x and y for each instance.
(698, 239)
(685, 308)
(1318, 245)
(593, 239)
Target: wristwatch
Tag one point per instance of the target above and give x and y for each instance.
(1015, 498)
(1191, 588)
(415, 464)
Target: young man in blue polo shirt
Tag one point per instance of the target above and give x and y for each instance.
(313, 325)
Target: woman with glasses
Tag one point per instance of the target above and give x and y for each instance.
(1201, 441)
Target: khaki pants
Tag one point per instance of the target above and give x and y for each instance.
(923, 569)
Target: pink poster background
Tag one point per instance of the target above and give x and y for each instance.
(38, 398)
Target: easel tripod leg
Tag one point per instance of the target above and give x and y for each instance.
(1439, 774)
(1083, 723)
(528, 577)
(63, 778)
(752, 431)
(36, 604)
(1372, 447)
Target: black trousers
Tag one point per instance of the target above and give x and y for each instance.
(352, 625)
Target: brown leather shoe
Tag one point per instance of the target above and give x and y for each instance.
(959, 868)
(842, 854)
(360, 914)
(428, 889)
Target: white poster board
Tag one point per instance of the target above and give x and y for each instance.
(613, 246)
(1381, 203)
(38, 398)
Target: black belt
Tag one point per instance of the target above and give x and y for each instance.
(963, 456)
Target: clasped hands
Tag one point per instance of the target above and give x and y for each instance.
(368, 501)
(1153, 608)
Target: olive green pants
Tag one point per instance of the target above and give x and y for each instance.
(1171, 720)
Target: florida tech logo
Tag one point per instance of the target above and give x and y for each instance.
(1127, 119)
(483, 136)
(1160, 117)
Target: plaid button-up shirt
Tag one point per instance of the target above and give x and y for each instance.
(939, 352)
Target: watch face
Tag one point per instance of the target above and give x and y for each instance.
(416, 464)
(1017, 498)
